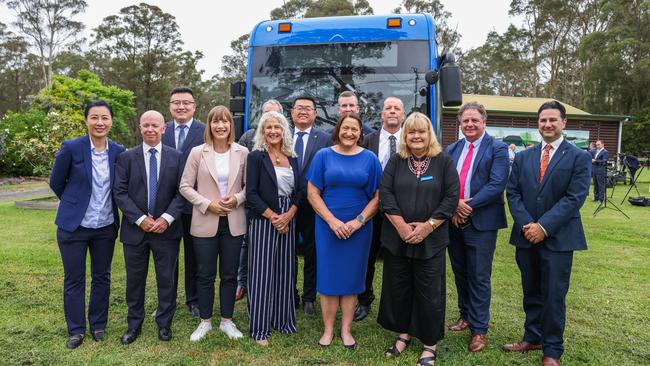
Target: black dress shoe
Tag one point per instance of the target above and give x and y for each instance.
(361, 312)
(130, 336)
(75, 341)
(194, 310)
(308, 307)
(99, 335)
(164, 334)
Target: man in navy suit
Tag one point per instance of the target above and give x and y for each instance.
(599, 170)
(307, 140)
(183, 133)
(384, 144)
(546, 189)
(483, 165)
(146, 190)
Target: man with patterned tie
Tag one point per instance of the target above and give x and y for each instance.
(483, 165)
(384, 144)
(183, 133)
(146, 190)
(546, 189)
(307, 140)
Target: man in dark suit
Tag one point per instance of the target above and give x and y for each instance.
(146, 190)
(183, 133)
(483, 166)
(307, 140)
(599, 171)
(384, 144)
(546, 189)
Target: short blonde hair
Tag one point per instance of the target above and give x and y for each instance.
(287, 136)
(219, 113)
(417, 120)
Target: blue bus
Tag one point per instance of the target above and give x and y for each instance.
(373, 56)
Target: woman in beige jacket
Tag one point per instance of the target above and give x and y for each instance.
(214, 182)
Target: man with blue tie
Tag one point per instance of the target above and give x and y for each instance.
(183, 133)
(146, 190)
(483, 165)
(307, 140)
(546, 189)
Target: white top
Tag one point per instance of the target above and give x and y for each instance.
(285, 180)
(384, 145)
(222, 162)
(554, 146)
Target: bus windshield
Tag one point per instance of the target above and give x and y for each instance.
(373, 71)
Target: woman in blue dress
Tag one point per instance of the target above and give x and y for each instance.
(343, 183)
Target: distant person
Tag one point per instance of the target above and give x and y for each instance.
(343, 184)
(482, 164)
(349, 103)
(632, 164)
(384, 144)
(599, 171)
(546, 189)
(183, 133)
(248, 141)
(87, 221)
(419, 193)
(214, 182)
(592, 149)
(512, 150)
(307, 141)
(150, 223)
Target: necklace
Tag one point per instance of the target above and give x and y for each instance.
(418, 167)
(277, 158)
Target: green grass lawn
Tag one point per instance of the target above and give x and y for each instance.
(608, 317)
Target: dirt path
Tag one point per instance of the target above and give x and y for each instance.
(12, 196)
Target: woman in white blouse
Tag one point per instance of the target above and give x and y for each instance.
(214, 181)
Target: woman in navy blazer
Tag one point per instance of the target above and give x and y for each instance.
(87, 220)
(273, 195)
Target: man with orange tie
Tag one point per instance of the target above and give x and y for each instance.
(482, 165)
(546, 189)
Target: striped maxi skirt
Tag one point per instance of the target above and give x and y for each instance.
(271, 273)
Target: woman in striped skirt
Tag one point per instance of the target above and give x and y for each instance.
(273, 194)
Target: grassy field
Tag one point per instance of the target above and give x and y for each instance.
(608, 319)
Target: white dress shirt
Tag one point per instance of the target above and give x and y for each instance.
(177, 130)
(147, 155)
(305, 139)
(554, 146)
(384, 145)
(461, 160)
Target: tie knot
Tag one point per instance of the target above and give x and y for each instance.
(182, 127)
(301, 133)
(471, 146)
(152, 151)
(392, 137)
(548, 147)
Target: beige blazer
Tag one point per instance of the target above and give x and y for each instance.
(201, 172)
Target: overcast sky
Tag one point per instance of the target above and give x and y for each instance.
(210, 26)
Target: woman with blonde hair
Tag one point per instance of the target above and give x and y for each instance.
(419, 192)
(214, 181)
(274, 194)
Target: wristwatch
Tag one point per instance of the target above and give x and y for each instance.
(361, 219)
(432, 223)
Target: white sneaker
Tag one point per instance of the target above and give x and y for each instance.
(201, 331)
(228, 327)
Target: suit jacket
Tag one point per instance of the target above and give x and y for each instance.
(132, 196)
(262, 184)
(193, 138)
(600, 165)
(317, 140)
(555, 202)
(488, 181)
(71, 181)
(201, 172)
(371, 142)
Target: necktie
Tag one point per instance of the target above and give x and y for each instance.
(181, 137)
(300, 147)
(153, 180)
(546, 157)
(393, 145)
(465, 169)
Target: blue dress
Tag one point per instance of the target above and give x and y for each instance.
(347, 183)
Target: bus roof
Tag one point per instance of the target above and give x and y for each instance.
(364, 28)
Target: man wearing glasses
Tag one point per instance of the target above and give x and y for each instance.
(307, 140)
(183, 133)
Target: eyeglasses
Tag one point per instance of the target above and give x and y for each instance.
(184, 103)
(304, 109)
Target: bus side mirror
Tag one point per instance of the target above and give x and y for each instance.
(450, 85)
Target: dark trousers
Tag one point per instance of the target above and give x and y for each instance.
(73, 247)
(225, 249)
(242, 272)
(545, 279)
(305, 227)
(471, 253)
(189, 261)
(413, 296)
(368, 296)
(599, 183)
(136, 259)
